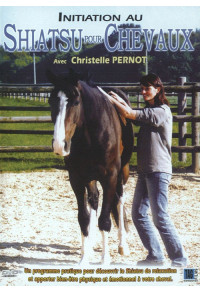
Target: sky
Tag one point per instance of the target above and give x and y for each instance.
(46, 17)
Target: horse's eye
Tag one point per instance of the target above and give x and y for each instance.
(76, 103)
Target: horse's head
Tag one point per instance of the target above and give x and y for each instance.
(66, 110)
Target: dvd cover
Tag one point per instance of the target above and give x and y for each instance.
(90, 51)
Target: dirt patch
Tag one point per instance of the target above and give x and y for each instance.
(39, 222)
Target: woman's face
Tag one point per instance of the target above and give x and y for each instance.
(149, 92)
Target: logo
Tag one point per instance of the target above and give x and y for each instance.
(190, 275)
(9, 273)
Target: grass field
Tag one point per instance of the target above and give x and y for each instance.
(26, 161)
(39, 161)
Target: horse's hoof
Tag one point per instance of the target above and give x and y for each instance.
(123, 250)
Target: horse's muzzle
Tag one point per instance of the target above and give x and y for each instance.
(60, 147)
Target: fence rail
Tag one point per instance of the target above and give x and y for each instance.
(183, 90)
(40, 119)
(11, 149)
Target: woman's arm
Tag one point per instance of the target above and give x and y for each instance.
(123, 108)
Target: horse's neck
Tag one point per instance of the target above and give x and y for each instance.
(93, 105)
(82, 131)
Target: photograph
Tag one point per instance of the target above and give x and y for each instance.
(99, 145)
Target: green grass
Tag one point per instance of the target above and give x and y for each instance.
(38, 161)
(26, 161)
(16, 162)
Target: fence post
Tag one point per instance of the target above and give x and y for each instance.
(182, 103)
(195, 129)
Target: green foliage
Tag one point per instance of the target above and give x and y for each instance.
(22, 59)
(12, 63)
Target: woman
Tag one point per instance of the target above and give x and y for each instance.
(154, 172)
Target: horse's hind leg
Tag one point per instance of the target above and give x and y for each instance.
(120, 216)
(83, 215)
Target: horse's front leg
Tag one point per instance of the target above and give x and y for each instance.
(83, 215)
(105, 256)
(93, 198)
(109, 189)
(87, 246)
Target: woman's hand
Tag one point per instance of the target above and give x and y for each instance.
(117, 97)
(123, 108)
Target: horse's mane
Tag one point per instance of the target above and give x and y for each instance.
(90, 86)
(93, 93)
(94, 98)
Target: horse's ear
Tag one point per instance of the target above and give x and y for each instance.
(74, 76)
(71, 71)
(51, 77)
(88, 75)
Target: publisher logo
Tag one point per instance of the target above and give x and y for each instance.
(190, 275)
(9, 273)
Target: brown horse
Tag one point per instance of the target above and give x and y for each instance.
(97, 146)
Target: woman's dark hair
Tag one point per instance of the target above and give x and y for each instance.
(153, 80)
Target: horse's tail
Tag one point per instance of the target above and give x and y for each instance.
(115, 212)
